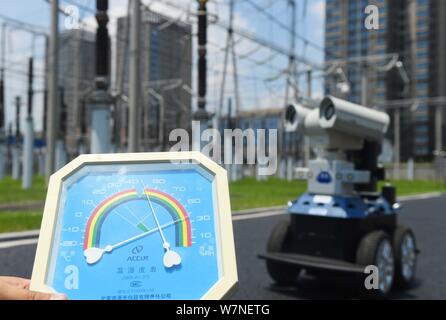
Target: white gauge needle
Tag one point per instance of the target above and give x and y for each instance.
(94, 255)
(171, 258)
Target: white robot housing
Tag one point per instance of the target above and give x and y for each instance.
(338, 130)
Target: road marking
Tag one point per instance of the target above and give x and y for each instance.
(18, 243)
(19, 235)
(258, 215)
(421, 196)
(258, 210)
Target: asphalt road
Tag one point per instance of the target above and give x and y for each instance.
(426, 217)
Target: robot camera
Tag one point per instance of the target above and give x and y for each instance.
(294, 117)
(352, 119)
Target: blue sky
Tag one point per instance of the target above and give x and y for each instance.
(261, 85)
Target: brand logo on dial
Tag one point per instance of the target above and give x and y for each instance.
(137, 250)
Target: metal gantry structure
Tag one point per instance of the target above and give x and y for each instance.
(22, 166)
(229, 50)
(104, 106)
(292, 63)
(52, 108)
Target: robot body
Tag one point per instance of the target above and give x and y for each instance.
(342, 224)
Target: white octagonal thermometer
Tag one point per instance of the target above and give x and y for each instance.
(137, 226)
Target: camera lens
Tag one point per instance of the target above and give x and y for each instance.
(329, 112)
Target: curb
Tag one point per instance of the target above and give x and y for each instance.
(421, 196)
(17, 236)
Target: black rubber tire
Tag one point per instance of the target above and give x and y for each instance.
(280, 241)
(400, 280)
(366, 256)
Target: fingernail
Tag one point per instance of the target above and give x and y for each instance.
(58, 297)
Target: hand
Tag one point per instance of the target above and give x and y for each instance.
(12, 288)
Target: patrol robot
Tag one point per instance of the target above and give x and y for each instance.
(342, 224)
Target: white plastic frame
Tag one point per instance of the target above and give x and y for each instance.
(229, 278)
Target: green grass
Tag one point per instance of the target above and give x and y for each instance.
(249, 193)
(11, 191)
(19, 221)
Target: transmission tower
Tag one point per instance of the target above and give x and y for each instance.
(229, 50)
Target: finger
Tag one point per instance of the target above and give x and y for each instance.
(10, 292)
(17, 282)
(33, 295)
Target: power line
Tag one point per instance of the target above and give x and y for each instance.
(261, 63)
(287, 28)
(248, 35)
(31, 28)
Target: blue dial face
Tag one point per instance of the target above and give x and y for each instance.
(136, 231)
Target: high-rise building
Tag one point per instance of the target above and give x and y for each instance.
(76, 80)
(416, 31)
(166, 76)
